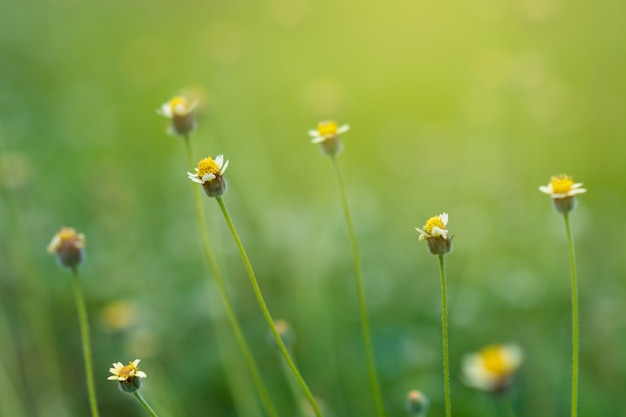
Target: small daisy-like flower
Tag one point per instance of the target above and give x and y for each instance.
(436, 234)
(180, 112)
(563, 191)
(129, 376)
(69, 247)
(209, 173)
(492, 369)
(327, 134)
(416, 403)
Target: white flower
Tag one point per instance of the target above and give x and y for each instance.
(208, 169)
(124, 372)
(562, 186)
(435, 227)
(492, 368)
(177, 107)
(327, 130)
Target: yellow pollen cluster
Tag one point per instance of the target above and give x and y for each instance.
(328, 128)
(66, 234)
(561, 184)
(208, 166)
(493, 360)
(433, 222)
(178, 101)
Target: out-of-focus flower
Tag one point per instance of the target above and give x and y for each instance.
(492, 369)
(68, 246)
(180, 112)
(129, 376)
(209, 173)
(436, 234)
(563, 191)
(416, 403)
(327, 134)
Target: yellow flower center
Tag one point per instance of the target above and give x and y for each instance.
(561, 184)
(176, 102)
(127, 371)
(67, 234)
(328, 128)
(493, 360)
(433, 222)
(208, 166)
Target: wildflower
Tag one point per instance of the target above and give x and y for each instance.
(69, 247)
(436, 234)
(327, 134)
(209, 174)
(492, 369)
(563, 191)
(129, 376)
(416, 403)
(180, 112)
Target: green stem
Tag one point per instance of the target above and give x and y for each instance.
(84, 332)
(509, 406)
(572, 261)
(266, 313)
(444, 331)
(228, 307)
(145, 404)
(293, 384)
(358, 278)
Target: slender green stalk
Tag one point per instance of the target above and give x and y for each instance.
(84, 333)
(293, 384)
(444, 332)
(145, 404)
(266, 313)
(358, 279)
(572, 261)
(228, 307)
(509, 406)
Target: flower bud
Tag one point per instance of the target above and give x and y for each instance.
(416, 404)
(69, 247)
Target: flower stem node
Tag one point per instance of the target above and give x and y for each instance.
(563, 191)
(209, 173)
(416, 404)
(436, 235)
(128, 376)
(492, 369)
(327, 135)
(180, 112)
(69, 247)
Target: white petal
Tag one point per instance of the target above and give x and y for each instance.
(547, 189)
(207, 178)
(223, 169)
(219, 160)
(141, 374)
(444, 218)
(314, 133)
(318, 139)
(166, 110)
(136, 362)
(343, 129)
(436, 232)
(113, 378)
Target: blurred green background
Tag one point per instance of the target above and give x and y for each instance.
(465, 107)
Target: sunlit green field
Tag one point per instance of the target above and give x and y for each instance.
(464, 107)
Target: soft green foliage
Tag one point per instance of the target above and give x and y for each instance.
(462, 107)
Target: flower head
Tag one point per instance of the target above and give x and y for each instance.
(492, 369)
(563, 191)
(129, 376)
(69, 247)
(180, 112)
(209, 173)
(436, 234)
(327, 134)
(416, 403)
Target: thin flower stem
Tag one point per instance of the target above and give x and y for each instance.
(145, 404)
(268, 405)
(572, 261)
(84, 333)
(509, 406)
(358, 278)
(444, 332)
(266, 313)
